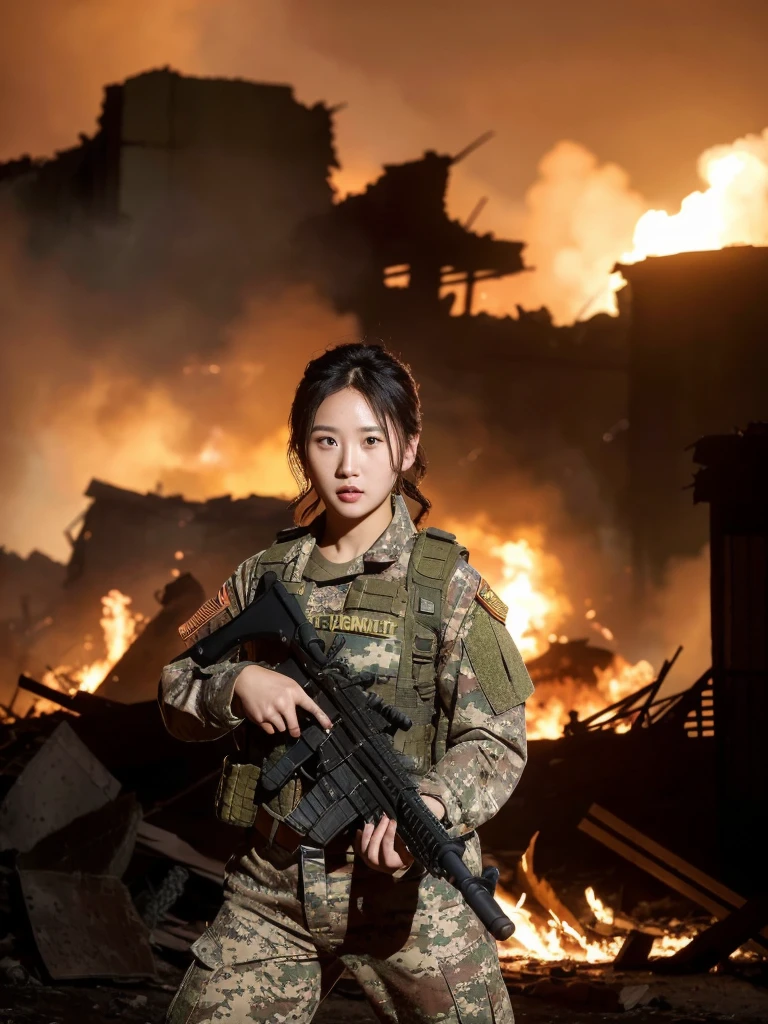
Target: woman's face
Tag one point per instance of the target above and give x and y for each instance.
(348, 458)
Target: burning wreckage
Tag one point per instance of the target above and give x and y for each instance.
(628, 853)
(112, 860)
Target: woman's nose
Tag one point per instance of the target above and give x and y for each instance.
(348, 463)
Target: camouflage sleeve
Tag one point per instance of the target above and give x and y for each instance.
(482, 685)
(195, 702)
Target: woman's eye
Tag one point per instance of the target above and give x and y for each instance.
(326, 442)
(371, 442)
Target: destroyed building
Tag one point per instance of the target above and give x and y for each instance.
(216, 169)
(236, 175)
(698, 365)
(139, 544)
(196, 191)
(398, 232)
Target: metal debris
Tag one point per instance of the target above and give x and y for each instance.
(85, 926)
(61, 782)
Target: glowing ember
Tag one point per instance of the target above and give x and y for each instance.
(120, 627)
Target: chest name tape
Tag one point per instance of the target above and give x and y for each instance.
(344, 623)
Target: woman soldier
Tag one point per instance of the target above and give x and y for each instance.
(414, 613)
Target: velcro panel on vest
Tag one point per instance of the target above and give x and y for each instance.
(376, 595)
(496, 662)
(434, 555)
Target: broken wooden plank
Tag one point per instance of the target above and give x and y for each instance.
(81, 702)
(542, 891)
(169, 845)
(675, 872)
(634, 953)
(716, 943)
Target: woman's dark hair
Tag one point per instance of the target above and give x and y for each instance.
(390, 390)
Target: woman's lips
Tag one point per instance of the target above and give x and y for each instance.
(349, 496)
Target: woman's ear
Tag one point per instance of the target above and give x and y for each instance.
(409, 455)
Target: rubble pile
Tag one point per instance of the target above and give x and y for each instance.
(111, 865)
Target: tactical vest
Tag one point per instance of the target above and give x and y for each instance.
(392, 628)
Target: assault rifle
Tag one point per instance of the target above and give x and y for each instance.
(356, 773)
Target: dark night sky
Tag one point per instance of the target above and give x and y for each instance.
(648, 85)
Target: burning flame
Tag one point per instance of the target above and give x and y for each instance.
(120, 627)
(547, 711)
(533, 604)
(554, 939)
(528, 579)
(602, 913)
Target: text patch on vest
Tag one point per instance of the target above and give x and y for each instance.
(343, 622)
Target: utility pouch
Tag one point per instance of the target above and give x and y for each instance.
(235, 797)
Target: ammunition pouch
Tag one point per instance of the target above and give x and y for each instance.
(235, 797)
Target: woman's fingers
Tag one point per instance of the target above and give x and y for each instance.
(292, 722)
(388, 855)
(362, 839)
(380, 847)
(271, 699)
(374, 842)
(303, 700)
(365, 836)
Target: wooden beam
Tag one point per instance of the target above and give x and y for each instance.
(664, 865)
(716, 943)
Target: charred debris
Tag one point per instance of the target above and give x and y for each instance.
(105, 820)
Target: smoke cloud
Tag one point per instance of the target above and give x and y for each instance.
(136, 382)
(139, 386)
(414, 81)
(580, 217)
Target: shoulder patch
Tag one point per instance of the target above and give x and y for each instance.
(205, 613)
(491, 601)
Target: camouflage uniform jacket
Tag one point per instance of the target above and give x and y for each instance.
(485, 752)
(409, 939)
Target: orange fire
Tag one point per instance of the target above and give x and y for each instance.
(120, 627)
(731, 210)
(553, 939)
(530, 581)
(547, 710)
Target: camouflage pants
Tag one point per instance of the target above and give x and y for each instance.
(272, 955)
